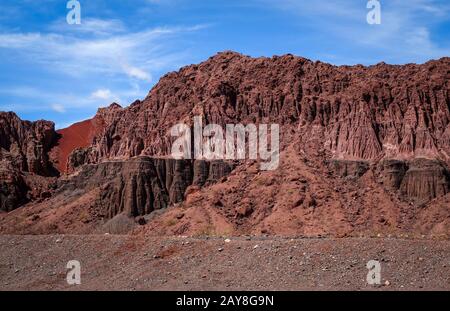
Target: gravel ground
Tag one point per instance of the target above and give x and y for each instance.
(111, 262)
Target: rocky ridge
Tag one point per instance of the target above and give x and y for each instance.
(381, 128)
(367, 113)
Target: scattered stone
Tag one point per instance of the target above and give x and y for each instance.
(180, 216)
(141, 221)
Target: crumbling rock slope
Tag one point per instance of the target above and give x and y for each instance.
(142, 185)
(111, 196)
(363, 150)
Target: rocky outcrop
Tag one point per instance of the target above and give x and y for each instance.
(350, 169)
(24, 148)
(392, 173)
(141, 185)
(13, 189)
(419, 181)
(26, 144)
(73, 146)
(425, 180)
(79, 157)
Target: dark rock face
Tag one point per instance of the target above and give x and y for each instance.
(24, 148)
(420, 180)
(351, 169)
(142, 185)
(393, 172)
(13, 189)
(26, 144)
(78, 158)
(425, 180)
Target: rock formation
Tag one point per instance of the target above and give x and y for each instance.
(26, 144)
(24, 148)
(13, 189)
(425, 180)
(364, 113)
(142, 185)
(362, 149)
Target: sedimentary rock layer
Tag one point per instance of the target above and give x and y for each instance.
(141, 185)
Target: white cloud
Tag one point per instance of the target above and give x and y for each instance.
(33, 99)
(135, 72)
(102, 94)
(93, 26)
(105, 95)
(404, 34)
(58, 108)
(117, 54)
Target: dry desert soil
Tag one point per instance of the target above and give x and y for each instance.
(125, 262)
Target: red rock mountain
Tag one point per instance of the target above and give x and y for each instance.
(364, 150)
(78, 135)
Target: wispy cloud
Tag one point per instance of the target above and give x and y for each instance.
(116, 54)
(135, 72)
(92, 26)
(33, 99)
(96, 51)
(404, 34)
(105, 95)
(58, 108)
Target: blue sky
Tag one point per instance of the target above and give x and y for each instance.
(60, 72)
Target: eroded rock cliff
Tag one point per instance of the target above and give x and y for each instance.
(363, 113)
(363, 149)
(141, 185)
(24, 148)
